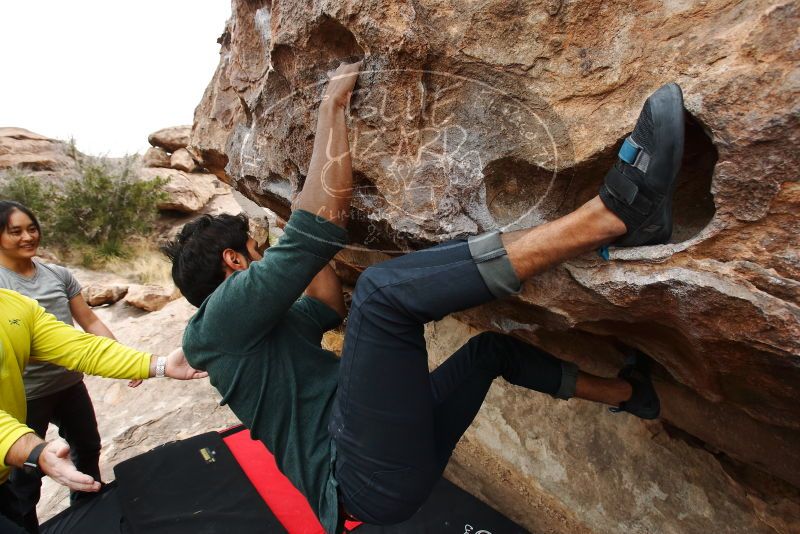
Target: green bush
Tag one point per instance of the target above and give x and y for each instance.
(106, 205)
(101, 208)
(28, 191)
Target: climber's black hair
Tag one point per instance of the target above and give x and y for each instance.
(196, 254)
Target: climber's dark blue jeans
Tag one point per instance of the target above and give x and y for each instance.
(394, 423)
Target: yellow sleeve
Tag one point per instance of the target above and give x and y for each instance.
(10, 431)
(56, 342)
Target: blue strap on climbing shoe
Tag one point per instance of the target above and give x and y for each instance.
(634, 155)
(603, 252)
(629, 151)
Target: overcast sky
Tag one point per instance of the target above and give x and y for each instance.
(107, 73)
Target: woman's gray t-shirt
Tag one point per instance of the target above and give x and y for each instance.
(52, 286)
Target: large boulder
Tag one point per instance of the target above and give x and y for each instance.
(28, 151)
(186, 192)
(182, 160)
(99, 294)
(150, 297)
(155, 157)
(507, 114)
(172, 138)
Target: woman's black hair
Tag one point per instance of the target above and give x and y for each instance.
(7, 207)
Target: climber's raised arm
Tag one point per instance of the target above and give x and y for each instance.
(329, 185)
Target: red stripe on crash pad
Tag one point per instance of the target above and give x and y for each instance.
(289, 505)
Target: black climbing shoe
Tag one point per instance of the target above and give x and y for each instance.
(639, 187)
(644, 401)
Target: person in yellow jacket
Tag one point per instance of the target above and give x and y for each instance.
(28, 332)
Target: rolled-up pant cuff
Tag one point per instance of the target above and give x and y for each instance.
(569, 380)
(491, 257)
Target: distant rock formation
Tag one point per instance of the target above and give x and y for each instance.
(188, 189)
(506, 114)
(172, 138)
(182, 160)
(155, 157)
(35, 154)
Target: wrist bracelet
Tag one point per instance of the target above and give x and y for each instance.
(161, 366)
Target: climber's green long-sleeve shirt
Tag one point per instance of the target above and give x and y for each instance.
(260, 343)
(28, 331)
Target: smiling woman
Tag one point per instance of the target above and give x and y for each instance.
(19, 235)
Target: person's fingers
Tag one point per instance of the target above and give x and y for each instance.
(82, 483)
(355, 67)
(62, 451)
(184, 371)
(342, 82)
(193, 374)
(76, 478)
(135, 383)
(351, 67)
(346, 71)
(56, 464)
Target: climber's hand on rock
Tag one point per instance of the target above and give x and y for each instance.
(340, 85)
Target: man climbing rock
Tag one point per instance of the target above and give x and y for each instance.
(368, 436)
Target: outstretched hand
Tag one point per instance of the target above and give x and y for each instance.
(341, 84)
(179, 368)
(55, 463)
